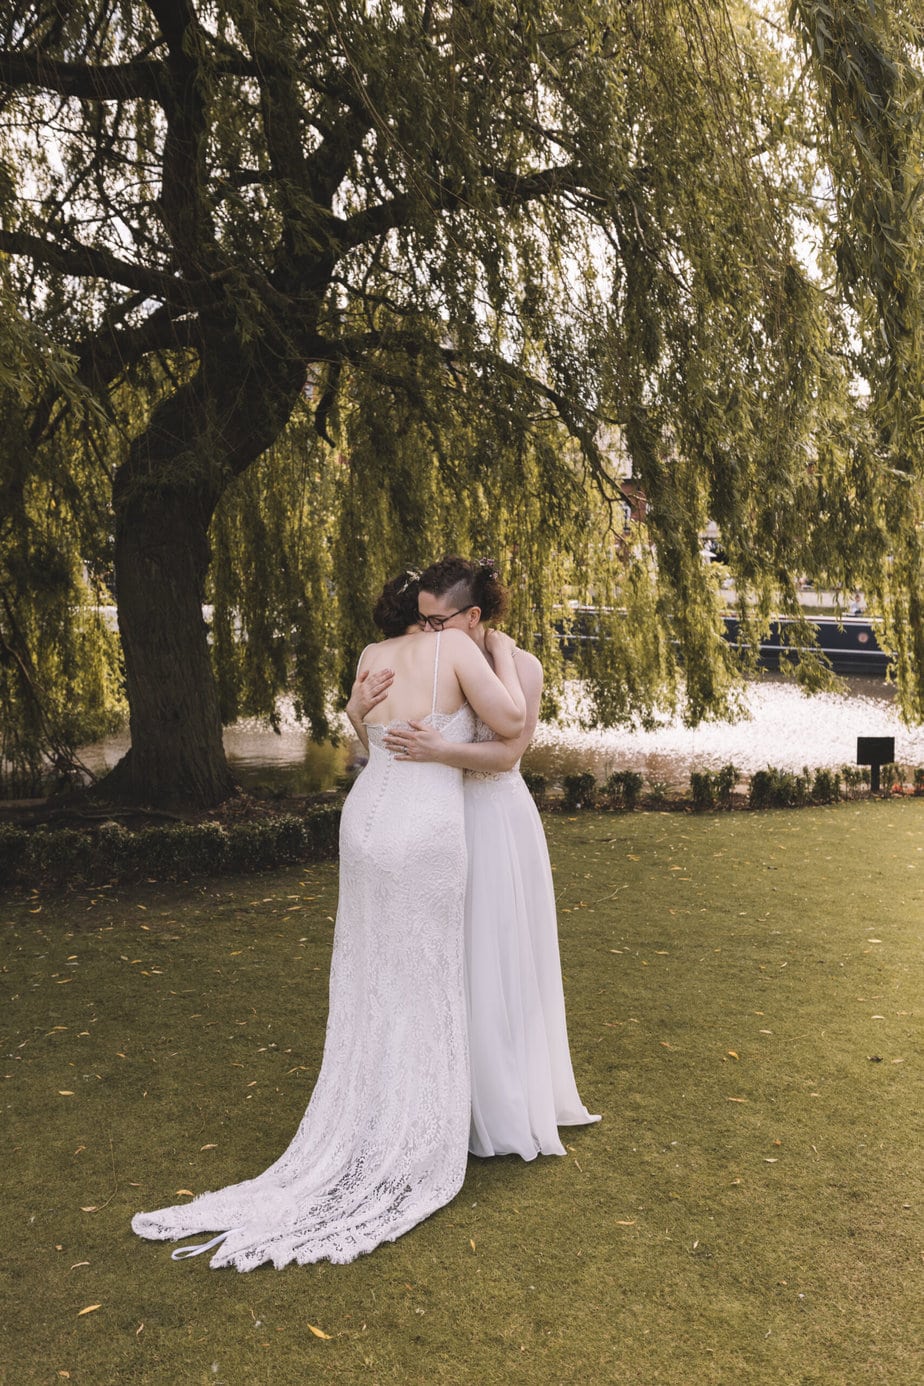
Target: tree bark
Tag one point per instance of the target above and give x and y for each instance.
(165, 494)
(161, 559)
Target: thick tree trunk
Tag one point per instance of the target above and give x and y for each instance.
(161, 560)
(209, 430)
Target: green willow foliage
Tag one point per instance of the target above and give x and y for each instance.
(59, 666)
(515, 251)
(868, 62)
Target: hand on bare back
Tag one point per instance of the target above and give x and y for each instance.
(369, 690)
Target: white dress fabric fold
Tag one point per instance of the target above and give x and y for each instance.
(383, 1142)
(523, 1085)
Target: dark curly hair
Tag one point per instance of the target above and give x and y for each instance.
(396, 608)
(466, 582)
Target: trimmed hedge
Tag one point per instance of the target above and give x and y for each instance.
(536, 783)
(109, 853)
(580, 790)
(69, 856)
(713, 789)
(623, 788)
(772, 788)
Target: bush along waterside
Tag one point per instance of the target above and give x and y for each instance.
(68, 856)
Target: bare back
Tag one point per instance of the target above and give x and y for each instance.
(424, 683)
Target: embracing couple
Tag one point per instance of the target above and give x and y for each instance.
(446, 1026)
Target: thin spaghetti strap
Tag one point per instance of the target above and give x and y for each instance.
(436, 670)
(360, 660)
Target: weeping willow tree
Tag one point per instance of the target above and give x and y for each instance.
(345, 285)
(868, 107)
(59, 668)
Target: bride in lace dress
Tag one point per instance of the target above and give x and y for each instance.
(383, 1142)
(523, 1085)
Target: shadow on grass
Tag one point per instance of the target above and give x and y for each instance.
(742, 995)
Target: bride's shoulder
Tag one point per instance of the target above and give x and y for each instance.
(457, 640)
(381, 652)
(527, 661)
(529, 670)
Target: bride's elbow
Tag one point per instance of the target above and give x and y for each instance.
(515, 722)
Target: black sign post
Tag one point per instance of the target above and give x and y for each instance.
(875, 751)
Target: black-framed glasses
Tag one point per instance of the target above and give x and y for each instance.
(437, 622)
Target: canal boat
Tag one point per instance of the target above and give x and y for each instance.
(850, 645)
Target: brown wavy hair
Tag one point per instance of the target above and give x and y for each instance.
(475, 583)
(396, 608)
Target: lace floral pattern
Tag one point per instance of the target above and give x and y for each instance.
(384, 1140)
(484, 733)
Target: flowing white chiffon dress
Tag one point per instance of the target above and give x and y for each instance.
(384, 1140)
(523, 1084)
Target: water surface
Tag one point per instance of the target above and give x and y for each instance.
(784, 728)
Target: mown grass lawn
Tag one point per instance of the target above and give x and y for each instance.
(744, 997)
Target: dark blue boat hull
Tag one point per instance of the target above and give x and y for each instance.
(851, 648)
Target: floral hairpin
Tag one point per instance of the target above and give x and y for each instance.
(489, 564)
(411, 575)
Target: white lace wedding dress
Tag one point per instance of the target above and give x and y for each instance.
(523, 1084)
(383, 1142)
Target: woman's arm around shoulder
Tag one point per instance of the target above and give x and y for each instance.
(506, 751)
(420, 742)
(496, 697)
(369, 689)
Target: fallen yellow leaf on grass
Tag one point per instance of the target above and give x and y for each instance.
(92, 1208)
(625, 1222)
(318, 1332)
(471, 1242)
(65, 1092)
(188, 1192)
(732, 1054)
(208, 1147)
(89, 1309)
(736, 1099)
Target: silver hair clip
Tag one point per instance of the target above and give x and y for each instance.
(412, 575)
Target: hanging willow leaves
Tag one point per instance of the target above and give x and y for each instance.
(333, 289)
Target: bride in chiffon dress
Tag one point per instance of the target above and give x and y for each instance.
(383, 1142)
